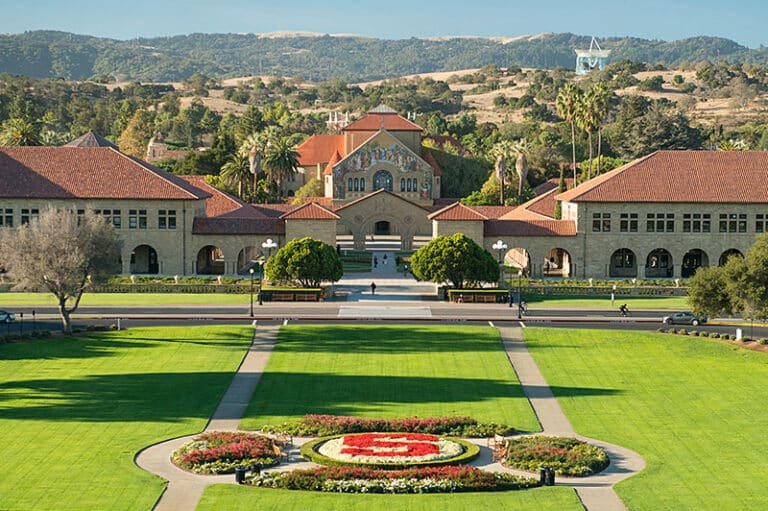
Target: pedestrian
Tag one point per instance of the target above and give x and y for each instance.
(373, 288)
(375, 262)
(385, 259)
(460, 299)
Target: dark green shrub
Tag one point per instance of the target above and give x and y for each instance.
(567, 456)
(714, 335)
(681, 331)
(763, 341)
(704, 334)
(693, 333)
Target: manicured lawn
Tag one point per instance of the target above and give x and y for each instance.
(74, 412)
(695, 409)
(660, 303)
(234, 498)
(389, 371)
(129, 299)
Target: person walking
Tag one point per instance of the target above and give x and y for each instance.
(373, 288)
(385, 259)
(375, 262)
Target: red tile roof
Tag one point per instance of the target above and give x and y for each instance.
(86, 173)
(222, 225)
(323, 201)
(681, 176)
(457, 212)
(492, 212)
(388, 121)
(551, 184)
(319, 149)
(221, 203)
(335, 158)
(273, 210)
(530, 228)
(310, 211)
(427, 157)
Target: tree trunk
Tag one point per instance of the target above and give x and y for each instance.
(599, 148)
(66, 320)
(589, 172)
(573, 150)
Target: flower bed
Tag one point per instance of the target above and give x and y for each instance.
(220, 452)
(413, 480)
(567, 456)
(389, 450)
(326, 425)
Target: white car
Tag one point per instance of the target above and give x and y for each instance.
(7, 317)
(684, 318)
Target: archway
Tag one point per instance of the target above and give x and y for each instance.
(382, 228)
(692, 261)
(382, 179)
(518, 258)
(557, 263)
(144, 260)
(727, 254)
(210, 261)
(658, 264)
(246, 258)
(623, 264)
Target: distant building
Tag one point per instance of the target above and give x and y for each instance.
(591, 59)
(157, 150)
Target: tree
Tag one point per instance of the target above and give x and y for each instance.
(237, 172)
(502, 152)
(560, 189)
(521, 149)
(312, 188)
(19, 132)
(61, 252)
(281, 160)
(708, 292)
(457, 260)
(135, 137)
(306, 261)
(588, 121)
(567, 103)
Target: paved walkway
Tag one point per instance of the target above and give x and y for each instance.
(184, 488)
(596, 492)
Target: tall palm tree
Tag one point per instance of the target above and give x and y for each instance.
(501, 152)
(567, 104)
(521, 148)
(281, 160)
(236, 172)
(588, 121)
(254, 147)
(601, 99)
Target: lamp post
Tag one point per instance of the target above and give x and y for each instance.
(250, 271)
(268, 246)
(500, 246)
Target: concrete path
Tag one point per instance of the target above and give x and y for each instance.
(185, 489)
(596, 492)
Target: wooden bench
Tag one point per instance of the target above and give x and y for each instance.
(306, 297)
(282, 297)
(485, 298)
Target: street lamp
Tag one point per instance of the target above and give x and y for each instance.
(250, 271)
(268, 246)
(500, 246)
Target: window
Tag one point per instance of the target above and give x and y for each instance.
(137, 218)
(697, 222)
(357, 185)
(415, 188)
(349, 184)
(117, 221)
(408, 184)
(6, 217)
(733, 222)
(29, 214)
(628, 222)
(402, 185)
(362, 184)
(601, 222)
(761, 223)
(660, 222)
(166, 219)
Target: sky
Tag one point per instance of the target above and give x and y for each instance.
(741, 20)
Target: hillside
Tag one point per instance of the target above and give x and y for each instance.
(48, 54)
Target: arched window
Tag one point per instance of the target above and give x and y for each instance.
(362, 184)
(349, 184)
(415, 187)
(382, 179)
(357, 185)
(402, 184)
(408, 184)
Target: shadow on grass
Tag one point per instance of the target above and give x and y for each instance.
(389, 339)
(140, 397)
(284, 394)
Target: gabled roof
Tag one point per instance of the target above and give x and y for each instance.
(86, 173)
(374, 194)
(335, 158)
(310, 211)
(91, 139)
(382, 117)
(319, 149)
(529, 228)
(457, 212)
(681, 176)
(552, 184)
(221, 203)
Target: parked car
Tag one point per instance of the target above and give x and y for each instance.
(7, 317)
(684, 318)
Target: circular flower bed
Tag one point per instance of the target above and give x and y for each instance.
(220, 452)
(389, 450)
(567, 456)
(375, 480)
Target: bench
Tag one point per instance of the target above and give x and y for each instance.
(485, 298)
(282, 297)
(306, 297)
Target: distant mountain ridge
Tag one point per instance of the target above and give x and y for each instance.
(50, 54)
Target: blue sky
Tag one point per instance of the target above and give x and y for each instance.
(740, 20)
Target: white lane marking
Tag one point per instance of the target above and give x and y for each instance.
(521, 324)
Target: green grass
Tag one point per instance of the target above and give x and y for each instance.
(126, 299)
(693, 408)
(75, 411)
(659, 303)
(238, 498)
(389, 371)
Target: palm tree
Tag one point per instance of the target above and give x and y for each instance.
(520, 149)
(601, 99)
(253, 147)
(281, 160)
(567, 103)
(588, 121)
(236, 172)
(19, 132)
(501, 151)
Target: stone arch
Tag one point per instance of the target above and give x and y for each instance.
(210, 261)
(729, 253)
(557, 263)
(247, 257)
(623, 264)
(659, 264)
(518, 257)
(692, 261)
(144, 260)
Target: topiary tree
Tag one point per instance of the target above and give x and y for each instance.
(305, 261)
(457, 260)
